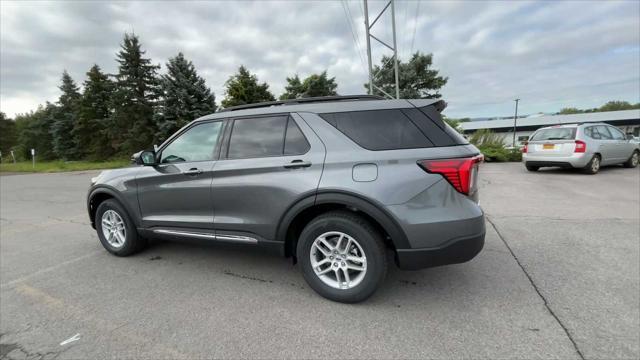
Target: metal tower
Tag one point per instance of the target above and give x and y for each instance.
(393, 48)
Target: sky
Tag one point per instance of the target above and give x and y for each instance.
(550, 54)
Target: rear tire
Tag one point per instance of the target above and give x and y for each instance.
(116, 231)
(532, 168)
(349, 237)
(633, 160)
(593, 166)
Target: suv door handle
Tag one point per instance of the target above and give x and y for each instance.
(297, 164)
(192, 171)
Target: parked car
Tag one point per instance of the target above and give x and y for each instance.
(333, 183)
(580, 146)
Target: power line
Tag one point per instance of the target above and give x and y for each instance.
(347, 14)
(415, 26)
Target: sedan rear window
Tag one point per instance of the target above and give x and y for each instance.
(566, 133)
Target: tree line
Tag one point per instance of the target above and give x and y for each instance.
(114, 115)
(614, 105)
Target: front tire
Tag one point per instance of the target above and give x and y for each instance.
(342, 256)
(633, 160)
(116, 231)
(593, 166)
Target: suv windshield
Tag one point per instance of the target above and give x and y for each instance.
(555, 134)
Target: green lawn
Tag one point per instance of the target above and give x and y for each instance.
(58, 166)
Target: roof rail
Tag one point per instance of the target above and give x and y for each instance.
(302, 101)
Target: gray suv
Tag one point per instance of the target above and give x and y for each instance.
(335, 183)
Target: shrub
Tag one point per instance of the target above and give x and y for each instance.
(492, 147)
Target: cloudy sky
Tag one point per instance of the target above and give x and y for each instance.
(549, 54)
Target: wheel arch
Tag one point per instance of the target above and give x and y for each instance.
(310, 207)
(101, 194)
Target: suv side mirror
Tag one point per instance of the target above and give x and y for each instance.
(145, 157)
(629, 136)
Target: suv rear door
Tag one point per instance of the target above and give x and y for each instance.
(266, 164)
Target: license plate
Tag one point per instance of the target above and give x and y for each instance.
(548, 146)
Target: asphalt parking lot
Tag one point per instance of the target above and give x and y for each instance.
(559, 277)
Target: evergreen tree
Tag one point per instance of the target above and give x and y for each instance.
(417, 80)
(185, 97)
(7, 135)
(313, 86)
(90, 131)
(131, 127)
(65, 116)
(243, 88)
(34, 132)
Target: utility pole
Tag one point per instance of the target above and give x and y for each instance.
(515, 119)
(366, 24)
(393, 48)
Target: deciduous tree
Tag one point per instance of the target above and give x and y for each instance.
(417, 79)
(313, 86)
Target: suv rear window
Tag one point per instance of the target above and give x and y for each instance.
(566, 133)
(391, 129)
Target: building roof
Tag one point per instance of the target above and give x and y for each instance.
(605, 116)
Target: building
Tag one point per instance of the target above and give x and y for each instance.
(627, 120)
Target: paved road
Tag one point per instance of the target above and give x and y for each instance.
(558, 278)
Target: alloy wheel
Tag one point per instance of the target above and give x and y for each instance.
(595, 164)
(113, 229)
(338, 260)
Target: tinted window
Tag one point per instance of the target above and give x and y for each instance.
(196, 144)
(433, 131)
(559, 133)
(295, 143)
(604, 132)
(379, 130)
(257, 137)
(617, 134)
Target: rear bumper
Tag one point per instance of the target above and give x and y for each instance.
(576, 160)
(454, 252)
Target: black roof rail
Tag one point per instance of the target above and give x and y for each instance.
(302, 101)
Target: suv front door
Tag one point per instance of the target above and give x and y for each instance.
(177, 191)
(267, 163)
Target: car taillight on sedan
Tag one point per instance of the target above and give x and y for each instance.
(525, 148)
(462, 173)
(581, 146)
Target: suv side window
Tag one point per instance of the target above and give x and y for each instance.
(379, 129)
(198, 143)
(592, 132)
(257, 137)
(294, 141)
(617, 134)
(604, 132)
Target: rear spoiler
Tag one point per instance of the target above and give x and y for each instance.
(436, 103)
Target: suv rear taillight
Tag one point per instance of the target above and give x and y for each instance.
(525, 148)
(460, 172)
(581, 146)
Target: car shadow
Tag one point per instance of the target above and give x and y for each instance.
(257, 267)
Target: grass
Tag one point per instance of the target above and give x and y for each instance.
(60, 166)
